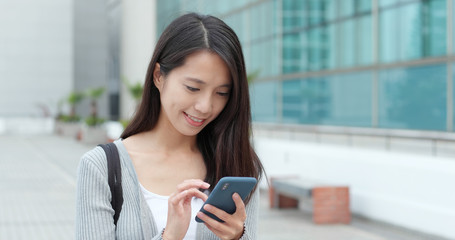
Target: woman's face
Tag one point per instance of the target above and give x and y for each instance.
(195, 93)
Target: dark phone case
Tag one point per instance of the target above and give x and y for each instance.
(222, 198)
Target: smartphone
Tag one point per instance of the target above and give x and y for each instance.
(221, 196)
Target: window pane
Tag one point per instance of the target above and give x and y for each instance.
(269, 19)
(364, 36)
(335, 100)
(270, 60)
(294, 14)
(315, 49)
(363, 5)
(330, 12)
(410, 32)
(315, 8)
(275, 58)
(350, 103)
(346, 8)
(385, 3)
(333, 43)
(413, 98)
(294, 50)
(255, 57)
(348, 48)
(304, 101)
(437, 27)
(261, 22)
(255, 14)
(389, 35)
(264, 101)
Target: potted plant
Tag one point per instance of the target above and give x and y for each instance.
(68, 125)
(92, 131)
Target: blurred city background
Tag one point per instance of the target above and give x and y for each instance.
(355, 93)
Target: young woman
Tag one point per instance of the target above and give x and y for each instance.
(191, 129)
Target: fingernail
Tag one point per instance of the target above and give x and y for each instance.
(206, 184)
(207, 207)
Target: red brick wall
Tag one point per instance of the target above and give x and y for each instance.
(331, 205)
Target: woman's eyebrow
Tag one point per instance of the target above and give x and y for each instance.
(196, 80)
(199, 81)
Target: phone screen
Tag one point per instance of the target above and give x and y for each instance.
(221, 196)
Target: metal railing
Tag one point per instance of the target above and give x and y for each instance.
(291, 131)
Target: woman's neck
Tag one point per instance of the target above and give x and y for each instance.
(166, 138)
(169, 140)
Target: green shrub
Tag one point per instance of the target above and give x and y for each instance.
(69, 118)
(94, 121)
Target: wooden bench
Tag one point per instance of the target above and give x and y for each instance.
(330, 203)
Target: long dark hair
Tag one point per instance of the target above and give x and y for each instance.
(224, 143)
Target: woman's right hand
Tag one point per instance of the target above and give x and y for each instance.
(179, 208)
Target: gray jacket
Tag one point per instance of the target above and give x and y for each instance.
(94, 214)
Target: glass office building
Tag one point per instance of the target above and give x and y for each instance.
(357, 63)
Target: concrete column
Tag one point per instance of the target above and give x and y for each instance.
(138, 38)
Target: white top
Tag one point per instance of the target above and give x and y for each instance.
(159, 205)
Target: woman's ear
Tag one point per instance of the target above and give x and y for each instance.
(158, 77)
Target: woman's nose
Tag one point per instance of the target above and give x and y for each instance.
(204, 104)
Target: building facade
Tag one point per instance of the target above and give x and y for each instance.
(49, 49)
(36, 56)
(359, 63)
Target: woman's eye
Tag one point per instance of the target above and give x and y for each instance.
(192, 89)
(223, 94)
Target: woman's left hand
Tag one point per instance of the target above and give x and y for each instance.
(233, 225)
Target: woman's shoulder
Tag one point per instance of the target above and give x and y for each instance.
(95, 158)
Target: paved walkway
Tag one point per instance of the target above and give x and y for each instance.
(37, 186)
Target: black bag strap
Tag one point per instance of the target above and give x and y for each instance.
(114, 173)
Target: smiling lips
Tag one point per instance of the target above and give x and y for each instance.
(194, 121)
